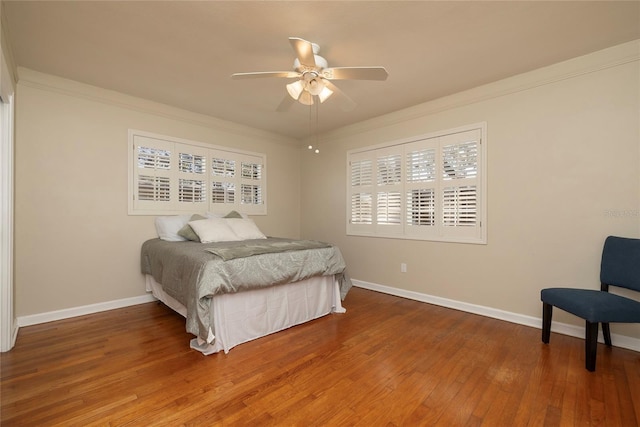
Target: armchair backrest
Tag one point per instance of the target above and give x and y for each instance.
(621, 263)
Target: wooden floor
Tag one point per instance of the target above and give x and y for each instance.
(387, 362)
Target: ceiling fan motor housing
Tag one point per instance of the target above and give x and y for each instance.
(321, 63)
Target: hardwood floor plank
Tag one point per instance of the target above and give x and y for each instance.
(387, 362)
(632, 374)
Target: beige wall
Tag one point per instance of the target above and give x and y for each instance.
(563, 151)
(75, 245)
(563, 173)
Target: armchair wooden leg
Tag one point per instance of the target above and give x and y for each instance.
(547, 312)
(591, 345)
(607, 334)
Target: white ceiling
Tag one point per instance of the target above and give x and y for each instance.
(183, 53)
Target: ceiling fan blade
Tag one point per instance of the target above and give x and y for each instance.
(346, 103)
(285, 104)
(260, 74)
(355, 73)
(304, 51)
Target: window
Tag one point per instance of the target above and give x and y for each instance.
(430, 187)
(171, 176)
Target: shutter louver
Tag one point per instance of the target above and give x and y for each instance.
(361, 208)
(251, 194)
(459, 206)
(460, 161)
(421, 207)
(223, 192)
(154, 188)
(421, 165)
(192, 191)
(154, 158)
(251, 171)
(223, 167)
(361, 173)
(189, 163)
(389, 208)
(389, 170)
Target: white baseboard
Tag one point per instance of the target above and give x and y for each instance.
(621, 341)
(51, 316)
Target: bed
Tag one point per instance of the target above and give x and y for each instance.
(234, 291)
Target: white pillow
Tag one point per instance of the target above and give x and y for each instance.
(213, 230)
(245, 229)
(214, 215)
(167, 227)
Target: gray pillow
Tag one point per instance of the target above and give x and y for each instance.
(187, 232)
(233, 214)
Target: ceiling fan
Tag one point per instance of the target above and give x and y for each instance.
(313, 77)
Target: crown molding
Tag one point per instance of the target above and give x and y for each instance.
(47, 82)
(590, 63)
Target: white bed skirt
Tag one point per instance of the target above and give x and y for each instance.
(245, 316)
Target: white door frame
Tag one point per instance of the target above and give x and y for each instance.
(8, 325)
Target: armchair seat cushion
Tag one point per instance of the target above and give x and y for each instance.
(593, 306)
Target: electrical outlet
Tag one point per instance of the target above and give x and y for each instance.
(403, 268)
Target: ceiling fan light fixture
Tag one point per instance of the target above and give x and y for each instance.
(315, 86)
(295, 89)
(324, 94)
(306, 98)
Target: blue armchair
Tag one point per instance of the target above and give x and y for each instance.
(620, 267)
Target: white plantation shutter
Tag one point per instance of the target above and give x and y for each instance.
(153, 173)
(427, 188)
(460, 164)
(252, 184)
(388, 207)
(420, 188)
(177, 176)
(223, 179)
(360, 192)
(421, 207)
(362, 173)
(361, 208)
(459, 159)
(459, 206)
(192, 191)
(154, 188)
(192, 178)
(388, 191)
(389, 170)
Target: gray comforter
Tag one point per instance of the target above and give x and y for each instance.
(191, 273)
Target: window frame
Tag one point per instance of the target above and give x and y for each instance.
(467, 189)
(185, 176)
